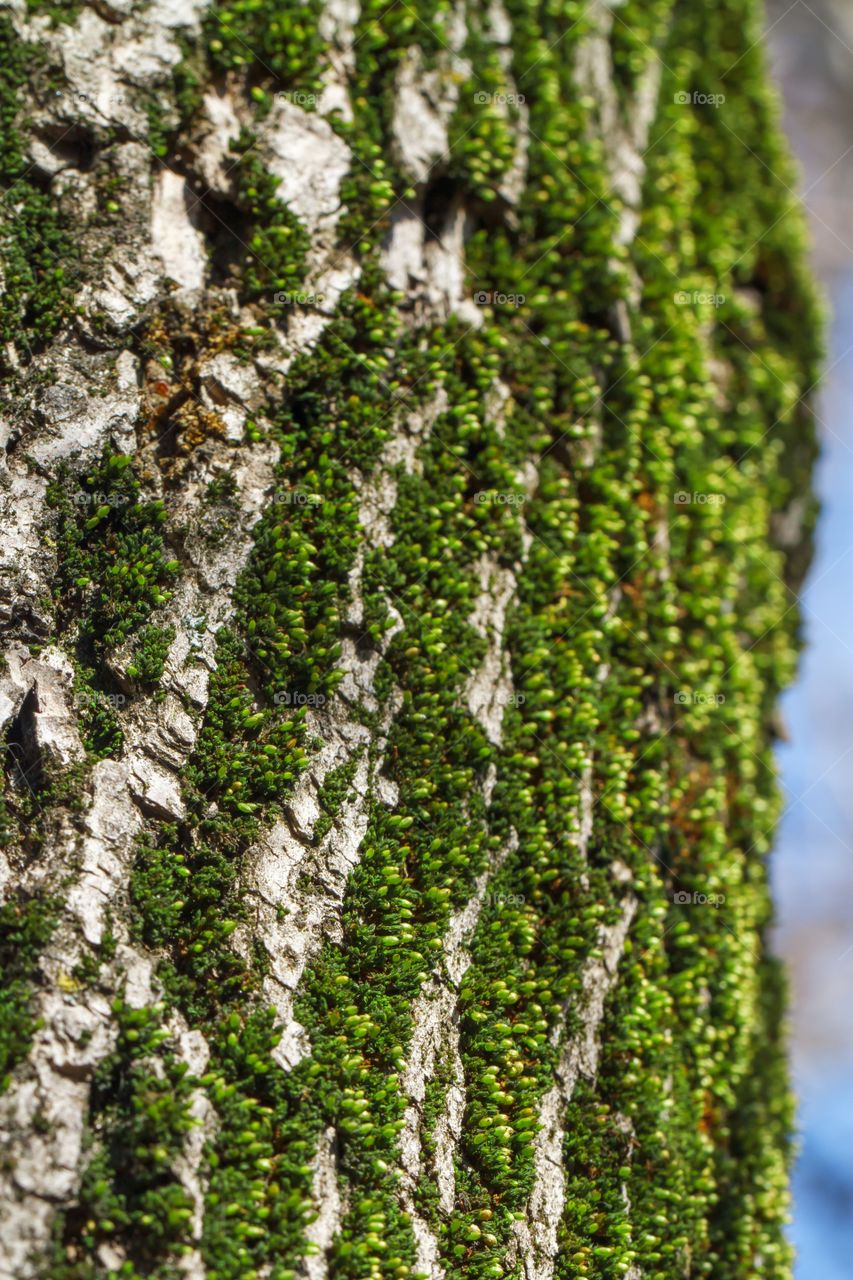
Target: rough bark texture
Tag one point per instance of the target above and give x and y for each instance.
(406, 469)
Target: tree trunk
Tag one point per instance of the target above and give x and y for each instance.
(405, 484)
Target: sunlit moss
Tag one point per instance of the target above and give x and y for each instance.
(650, 633)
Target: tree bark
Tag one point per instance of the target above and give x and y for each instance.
(405, 489)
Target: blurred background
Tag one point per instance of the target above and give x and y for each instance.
(811, 54)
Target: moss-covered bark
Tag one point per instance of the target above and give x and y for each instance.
(406, 484)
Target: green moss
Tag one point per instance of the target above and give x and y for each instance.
(113, 569)
(131, 1197)
(276, 242)
(112, 573)
(284, 641)
(256, 1207)
(150, 651)
(26, 924)
(222, 489)
(273, 42)
(336, 786)
(88, 971)
(37, 250)
(486, 122)
(33, 790)
(375, 183)
(59, 11)
(648, 638)
(433, 1112)
(636, 41)
(97, 707)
